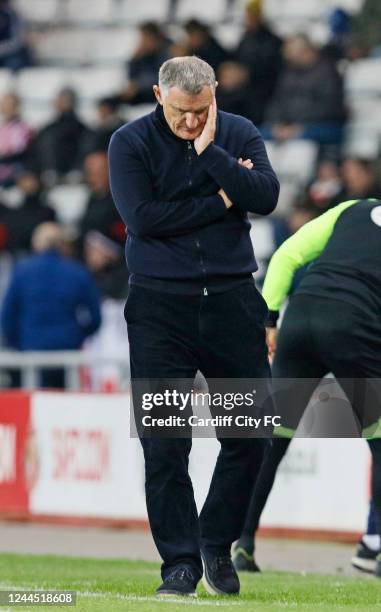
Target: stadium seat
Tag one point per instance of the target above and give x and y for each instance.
(278, 11)
(36, 85)
(362, 141)
(135, 112)
(366, 109)
(90, 11)
(262, 236)
(37, 115)
(65, 47)
(352, 6)
(6, 81)
(295, 9)
(136, 11)
(39, 11)
(229, 35)
(95, 83)
(69, 202)
(289, 192)
(87, 112)
(363, 77)
(319, 33)
(299, 159)
(114, 46)
(212, 11)
(293, 160)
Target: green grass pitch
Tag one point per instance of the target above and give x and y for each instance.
(108, 586)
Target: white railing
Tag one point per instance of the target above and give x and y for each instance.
(30, 363)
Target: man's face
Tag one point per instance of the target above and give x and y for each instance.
(96, 168)
(9, 106)
(185, 114)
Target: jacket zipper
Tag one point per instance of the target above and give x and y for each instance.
(198, 245)
(189, 146)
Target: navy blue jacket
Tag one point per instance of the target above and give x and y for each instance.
(51, 304)
(179, 228)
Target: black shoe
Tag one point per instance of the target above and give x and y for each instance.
(365, 558)
(179, 583)
(243, 561)
(220, 577)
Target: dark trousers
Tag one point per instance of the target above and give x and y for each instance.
(371, 528)
(319, 336)
(172, 336)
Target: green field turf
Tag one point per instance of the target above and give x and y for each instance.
(108, 585)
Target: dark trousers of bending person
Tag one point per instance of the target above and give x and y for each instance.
(317, 337)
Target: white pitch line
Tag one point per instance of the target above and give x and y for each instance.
(123, 597)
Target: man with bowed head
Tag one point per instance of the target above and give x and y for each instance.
(183, 179)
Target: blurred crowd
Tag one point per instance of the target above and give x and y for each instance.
(291, 89)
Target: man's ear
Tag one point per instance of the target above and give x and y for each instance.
(216, 85)
(158, 96)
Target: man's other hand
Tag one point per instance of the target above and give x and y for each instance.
(246, 163)
(228, 203)
(208, 133)
(271, 340)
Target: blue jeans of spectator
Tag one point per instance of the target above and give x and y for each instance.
(171, 337)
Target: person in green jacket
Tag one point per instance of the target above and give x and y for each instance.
(332, 325)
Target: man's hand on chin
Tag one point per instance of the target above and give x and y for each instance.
(208, 133)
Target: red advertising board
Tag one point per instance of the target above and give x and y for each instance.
(14, 435)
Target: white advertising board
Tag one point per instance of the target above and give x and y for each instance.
(88, 466)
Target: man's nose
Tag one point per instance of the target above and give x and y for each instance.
(191, 121)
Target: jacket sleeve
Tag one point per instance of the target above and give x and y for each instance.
(142, 212)
(10, 312)
(91, 303)
(302, 248)
(255, 190)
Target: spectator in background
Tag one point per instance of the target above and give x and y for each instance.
(4, 211)
(100, 213)
(235, 93)
(367, 29)
(359, 177)
(143, 66)
(51, 303)
(58, 145)
(15, 139)
(339, 35)
(105, 259)
(200, 41)
(108, 121)
(325, 187)
(299, 216)
(260, 51)
(308, 102)
(23, 220)
(271, 232)
(14, 51)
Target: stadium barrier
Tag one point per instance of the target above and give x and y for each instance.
(72, 362)
(69, 458)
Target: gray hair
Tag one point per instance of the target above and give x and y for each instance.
(47, 236)
(189, 73)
